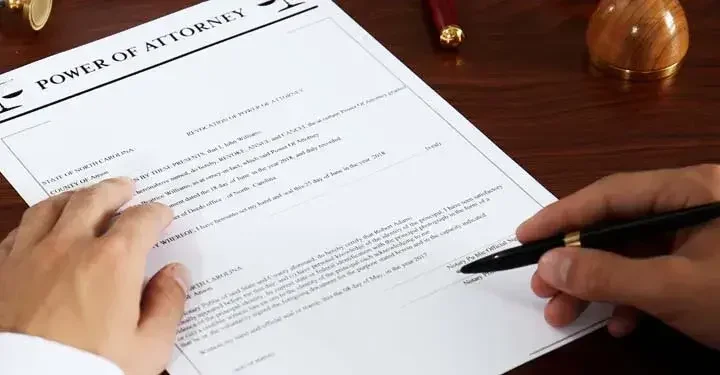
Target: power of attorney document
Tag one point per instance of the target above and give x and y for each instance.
(324, 196)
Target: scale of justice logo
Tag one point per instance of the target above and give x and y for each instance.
(8, 102)
(288, 4)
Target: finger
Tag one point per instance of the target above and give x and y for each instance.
(138, 228)
(541, 288)
(7, 244)
(163, 305)
(39, 220)
(696, 243)
(89, 209)
(625, 195)
(682, 236)
(651, 284)
(623, 321)
(563, 309)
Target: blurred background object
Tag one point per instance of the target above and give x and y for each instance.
(638, 40)
(32, 14)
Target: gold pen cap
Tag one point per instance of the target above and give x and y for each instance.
(34, 13)
(451, 36)
(445, 17)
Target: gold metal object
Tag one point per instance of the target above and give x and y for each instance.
(451, 36)
(634, 75)
(35, 12)
(573, 240)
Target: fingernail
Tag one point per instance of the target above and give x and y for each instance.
(554, 267)
(182, 276)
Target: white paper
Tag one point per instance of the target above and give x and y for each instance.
(324, 195)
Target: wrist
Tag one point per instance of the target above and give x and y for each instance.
(26, 354)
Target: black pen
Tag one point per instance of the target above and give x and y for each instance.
(597, 237)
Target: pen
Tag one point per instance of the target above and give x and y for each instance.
(597, 237)
(444, 15)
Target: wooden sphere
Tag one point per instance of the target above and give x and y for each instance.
(638, 39)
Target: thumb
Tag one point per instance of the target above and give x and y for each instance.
(599, 276)
(162, 307)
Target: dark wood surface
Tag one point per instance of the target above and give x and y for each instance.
(521, 77)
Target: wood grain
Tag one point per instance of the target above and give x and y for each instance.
(642, 36)
(521, 77)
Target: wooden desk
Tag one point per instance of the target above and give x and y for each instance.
(521, 79)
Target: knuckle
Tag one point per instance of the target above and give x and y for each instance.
(132, 217)
(89, 194)
(11, 235)
(131, 211)
(709, 176)
(81, 202)
(145, 210)
(588, 279)
(115, 246)
(679, 271)
(137, 210)
(608, 179)
(35, 211)
(122, 184)
(101, 189)
(55, 243)
(40, 210)
(150, 212)
(118, 180)
(709, 170)
(157, 209)
(613, 178)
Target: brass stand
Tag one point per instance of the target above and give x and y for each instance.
(33, 13)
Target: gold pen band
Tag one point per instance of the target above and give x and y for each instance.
(633, 75)
(573, 240)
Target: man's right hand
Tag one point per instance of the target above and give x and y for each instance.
(680, 287)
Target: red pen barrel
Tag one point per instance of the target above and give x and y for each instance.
(444, 13)
(445, 17)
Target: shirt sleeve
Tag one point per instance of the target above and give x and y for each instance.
(29, 355)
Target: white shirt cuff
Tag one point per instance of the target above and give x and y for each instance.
(29, 355)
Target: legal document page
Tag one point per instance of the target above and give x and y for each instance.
(324, 196)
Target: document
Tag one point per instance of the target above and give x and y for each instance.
(324, 195)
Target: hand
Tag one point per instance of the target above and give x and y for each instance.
(70, 275)
(680, 286)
